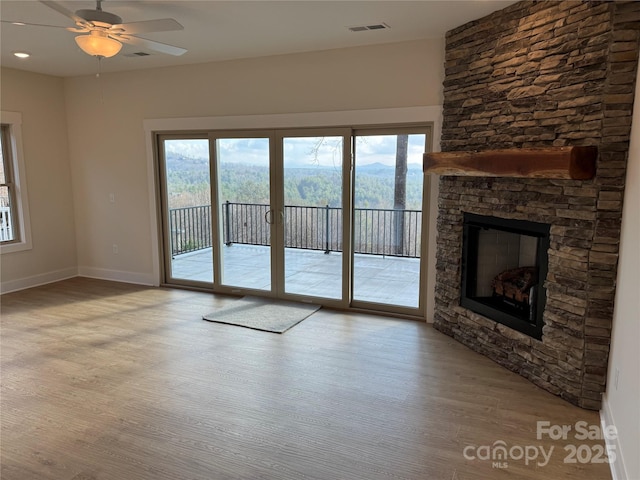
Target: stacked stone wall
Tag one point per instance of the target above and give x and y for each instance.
(540, 74)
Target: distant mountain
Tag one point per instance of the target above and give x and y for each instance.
(382, 166)
(176, 162)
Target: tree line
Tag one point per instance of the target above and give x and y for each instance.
(188, 185)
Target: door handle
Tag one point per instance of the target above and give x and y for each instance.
(268, 216)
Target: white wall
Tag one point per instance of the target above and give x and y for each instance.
(40, 100)
(107, 139)
(621, 405)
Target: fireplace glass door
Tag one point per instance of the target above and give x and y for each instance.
(504, 267)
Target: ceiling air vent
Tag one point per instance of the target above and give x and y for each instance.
(137, 54)
(364, 28)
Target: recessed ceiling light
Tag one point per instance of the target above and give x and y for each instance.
(20, 24)
(22, 54)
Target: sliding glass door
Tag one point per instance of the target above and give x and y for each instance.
(387, 221)
(186, 205)
(244, 210)
(313, 179)
(332, 216)
(278, 202)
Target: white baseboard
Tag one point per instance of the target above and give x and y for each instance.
(37, 280)
(618, 470)
(118, 276)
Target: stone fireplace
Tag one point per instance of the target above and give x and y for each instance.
(541, 74)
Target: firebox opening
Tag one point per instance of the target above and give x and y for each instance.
(504, 266)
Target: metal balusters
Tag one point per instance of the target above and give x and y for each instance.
(312, 228)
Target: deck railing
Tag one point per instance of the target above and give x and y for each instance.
(375, 231)
(6, 224)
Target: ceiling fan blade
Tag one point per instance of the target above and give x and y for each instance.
(161, 25)
(78, 29)
(23, 24)
(151, 45)
(67, 13)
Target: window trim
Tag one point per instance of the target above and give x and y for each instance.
(14, 122)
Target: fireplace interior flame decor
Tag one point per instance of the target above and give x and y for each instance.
(504, 266)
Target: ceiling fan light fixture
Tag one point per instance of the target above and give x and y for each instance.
(98, 44)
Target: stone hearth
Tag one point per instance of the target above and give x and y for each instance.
(541, 74)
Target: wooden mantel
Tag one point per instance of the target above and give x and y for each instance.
(575, 162)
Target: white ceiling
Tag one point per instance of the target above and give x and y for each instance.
(224, 30)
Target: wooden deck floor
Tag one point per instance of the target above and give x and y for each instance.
(102, 380)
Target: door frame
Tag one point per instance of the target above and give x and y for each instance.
(347, 169)
(425, 129)
(277, 203)
(423, 115)
(216, 220)
(163, 210)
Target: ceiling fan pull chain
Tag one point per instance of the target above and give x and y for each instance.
(99, 78)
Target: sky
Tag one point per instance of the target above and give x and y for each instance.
(302, 151)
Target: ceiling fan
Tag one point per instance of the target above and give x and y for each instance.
(105, 31)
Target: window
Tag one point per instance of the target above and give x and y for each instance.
(14, 215)
(8, 225)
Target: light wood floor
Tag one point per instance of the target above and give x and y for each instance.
(103, 380)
